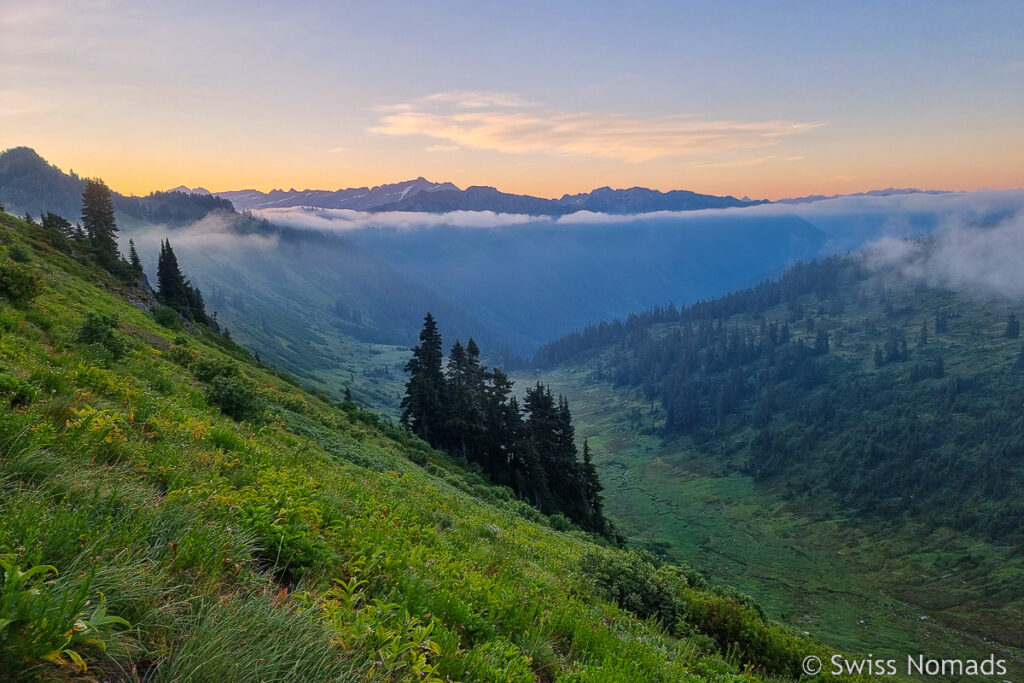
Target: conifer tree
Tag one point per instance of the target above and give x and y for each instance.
(592, 490)
(174, 290)
(461, 419)
(422, 408)
(133, 257)
(99, 224)
(170, 281)
(503, 427)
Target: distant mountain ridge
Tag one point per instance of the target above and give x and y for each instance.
(421, 195)
(888, 192)
(355, 198)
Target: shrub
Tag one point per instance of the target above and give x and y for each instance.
(560, 522)
(18, 282)
(633, 582)
(19, 253)
(167, 317)
(16, 391)
(100, 329)
(234, 396)
(206, 368)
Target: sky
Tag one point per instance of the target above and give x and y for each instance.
(756, 99)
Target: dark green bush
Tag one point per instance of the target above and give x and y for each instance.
(167, 317)
(100, 329)
(560, 522)
(741, 629)
(632, 580)
(18, 282)
(19, 253)
(234, 396)
(17, 392)
(640, 582)
(206, 368)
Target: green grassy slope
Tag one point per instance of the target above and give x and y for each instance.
(892, 577)
(147, 535)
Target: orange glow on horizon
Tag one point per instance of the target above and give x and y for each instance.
(135, 175)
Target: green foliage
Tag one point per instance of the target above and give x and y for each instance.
(235, 396)
(167, 317)
(470, 412)
(207, 368)
(44, 621)
(638, 582)
(218, 539)
(399, 646)
(173, 290)
(100, 329)
(18, 282)
(99, 224)
(19, 253)
(17, 392)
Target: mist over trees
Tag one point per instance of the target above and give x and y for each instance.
(832, 379)
(468, 410)
(174, 290)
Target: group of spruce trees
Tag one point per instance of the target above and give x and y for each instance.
(470, 411)
(174, 290)
(97, 235)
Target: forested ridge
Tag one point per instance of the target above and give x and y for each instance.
(893, 398)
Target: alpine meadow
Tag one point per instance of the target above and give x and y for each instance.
(689, 349)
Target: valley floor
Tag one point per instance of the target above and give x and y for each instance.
(861, 589)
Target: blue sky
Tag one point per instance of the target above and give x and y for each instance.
(745, 98)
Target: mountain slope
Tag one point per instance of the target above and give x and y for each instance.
(539, 280)
(148, 535)
(858, 430)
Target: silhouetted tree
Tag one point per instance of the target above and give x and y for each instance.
(133, 257)
(99, 224)
(422, 408)
(174, 291)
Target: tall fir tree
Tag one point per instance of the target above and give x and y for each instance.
(170, 281)
(133, 257)
(592, 490)
(99, 224)
(174, 290)
(422, 407)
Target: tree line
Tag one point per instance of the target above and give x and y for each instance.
(470, 411)
(96, 236)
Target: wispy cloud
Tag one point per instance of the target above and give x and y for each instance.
(476, 99)
(962, 256)
(505, 123)
(336, 150)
